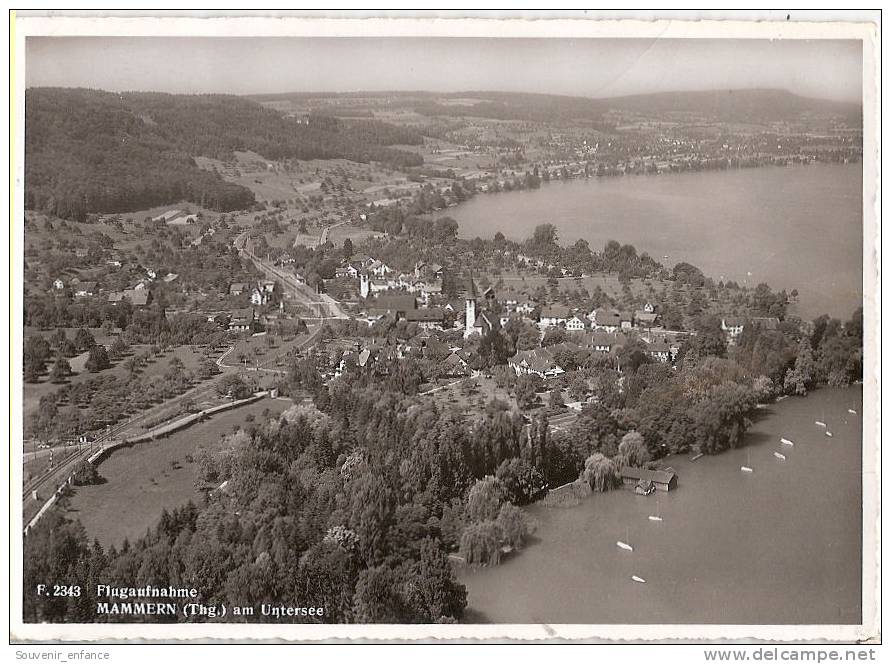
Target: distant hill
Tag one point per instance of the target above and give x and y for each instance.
(719, 105)
(750, 105)
(95, 151)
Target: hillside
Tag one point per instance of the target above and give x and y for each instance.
(95, 151)
(750, 105)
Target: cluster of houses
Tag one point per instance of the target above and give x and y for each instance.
(544, 363)
(733, 325)
(238, 321)
(139, 295)
(261, 293)
(609, 320)
(374, 276)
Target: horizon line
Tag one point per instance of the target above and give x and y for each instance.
(407, 92)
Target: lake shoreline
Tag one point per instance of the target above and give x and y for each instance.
(797, 220)
(621, 515)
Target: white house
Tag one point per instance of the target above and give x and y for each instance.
(553, 316)
(732, 327)
(539, 362)
(379, 269)
(608, 321)
(58, 284)
(576, 324)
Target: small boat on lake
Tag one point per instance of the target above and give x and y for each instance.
(852, 411)
(638, 579)
(829, 433)
(745, 469)
(623, 545)
(820, 424)
(781, 457)
(786, 441)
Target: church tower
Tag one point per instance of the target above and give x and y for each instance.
(364, 285)
(469, 308)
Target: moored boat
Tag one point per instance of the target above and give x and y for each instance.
(623, 545)
(638, 579)
(820, 424)
(786, 441)
(745, 469)
(781, 457)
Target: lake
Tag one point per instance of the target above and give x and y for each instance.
(780, 545)
(791, 227)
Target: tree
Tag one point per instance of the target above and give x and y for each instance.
(118, 348)
(484, 499)
(513, 525)
(98, 359)
(525, 390)
(58, 338)
(493, 349)
(233, 386)
(35, 356)
(83, 340)
(601, 472)
(554, 336)
(522, 334)
(480, 543)
(720, 421)
(347, 249)
(61, 370)
(632, 450)
(207, 368)
(544, 237)
(801, 377)
(433, 592)
(709, 339)
(379, 597)
(523, 483)
(578, 388)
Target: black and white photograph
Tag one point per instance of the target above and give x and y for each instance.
(443, 329)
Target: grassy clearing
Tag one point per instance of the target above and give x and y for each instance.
(146, 478)
(32, 392)
(471, 395)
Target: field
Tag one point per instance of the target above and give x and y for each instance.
(189, 356)
(146, 478)
(469, 395)
(257, 349)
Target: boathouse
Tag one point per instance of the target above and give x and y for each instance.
(664, 480)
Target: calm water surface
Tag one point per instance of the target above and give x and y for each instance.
(796, 227)
(781, 545)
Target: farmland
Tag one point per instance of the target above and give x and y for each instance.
(148, 477)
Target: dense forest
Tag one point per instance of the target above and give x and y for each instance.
(94, 151)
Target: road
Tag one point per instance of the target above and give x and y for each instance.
(326, 305)
(310, 340)
(47, 482)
